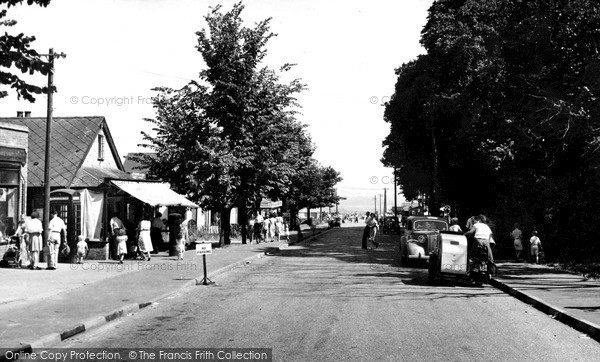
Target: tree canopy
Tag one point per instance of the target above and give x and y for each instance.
(16, 54)
(231, 138)
(501, 115)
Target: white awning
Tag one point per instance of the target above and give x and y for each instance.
(153, 193)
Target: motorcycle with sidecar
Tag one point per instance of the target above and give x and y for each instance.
(450, 258)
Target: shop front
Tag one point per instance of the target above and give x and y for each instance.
(13, 176)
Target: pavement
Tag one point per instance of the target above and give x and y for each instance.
(39, 308)
(569, 298)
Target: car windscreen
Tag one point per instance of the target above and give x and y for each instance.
(430, 225)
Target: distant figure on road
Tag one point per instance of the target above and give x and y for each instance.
(454, 225)
(517, 236)
(536, 246)
(366, 231)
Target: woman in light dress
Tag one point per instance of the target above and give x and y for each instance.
(143, 237)
(34, 229)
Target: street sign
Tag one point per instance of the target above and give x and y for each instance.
(203, 249)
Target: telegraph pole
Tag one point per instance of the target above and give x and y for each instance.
(380, 204)
(375, 199)
(51, 55)
(384, 200)
(395, 195)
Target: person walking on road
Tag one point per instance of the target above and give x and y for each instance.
(34, 229)
(143, 238)
(55, 227)
(536, 246)
(366, 231)
(373, 227)
(517, 236)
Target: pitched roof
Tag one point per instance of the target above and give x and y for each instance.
(72, 138)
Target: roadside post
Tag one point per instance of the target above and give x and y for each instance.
(203, 249)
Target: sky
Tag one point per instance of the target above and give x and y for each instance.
(346, 53)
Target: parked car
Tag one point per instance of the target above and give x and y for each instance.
(420, 237)
(336, 221)
(391, 225)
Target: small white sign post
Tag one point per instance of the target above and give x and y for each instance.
(203, 249)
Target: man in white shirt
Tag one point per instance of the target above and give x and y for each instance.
(482, 234)
(55, 226)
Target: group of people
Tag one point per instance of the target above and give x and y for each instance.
(146, 238)
(267, 229)
(535, 244)
(370, 230)
(477, 226)
(30, 235)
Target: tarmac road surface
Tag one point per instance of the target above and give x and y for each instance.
(329, 300)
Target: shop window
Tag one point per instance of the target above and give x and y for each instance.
(9, 199)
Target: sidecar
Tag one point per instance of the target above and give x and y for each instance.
(449, 256)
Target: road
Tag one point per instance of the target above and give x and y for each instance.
(329, 300)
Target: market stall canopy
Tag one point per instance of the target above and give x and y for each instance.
(153, 193)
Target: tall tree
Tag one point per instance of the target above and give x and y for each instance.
(513, 98)
(232, 138)
(16, 53)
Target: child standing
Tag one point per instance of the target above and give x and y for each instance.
(82, 249)
(121, 244)
(180, 246)
(536, 246)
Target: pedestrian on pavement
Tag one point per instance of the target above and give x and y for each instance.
(121, 245)
(181, 242)
(34, 229)
(143, 238)
(366, 230)
(23, 249)
(536, 246)
(258, 227)
(517, 236)
(82, 249)
(55, 227)
(156, 232)
(250, 231)
(115, 225)
(278, 227)
(454, 225)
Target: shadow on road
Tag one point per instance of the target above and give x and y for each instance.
(369, 268)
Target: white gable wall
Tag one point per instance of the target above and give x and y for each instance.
(92, 158)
